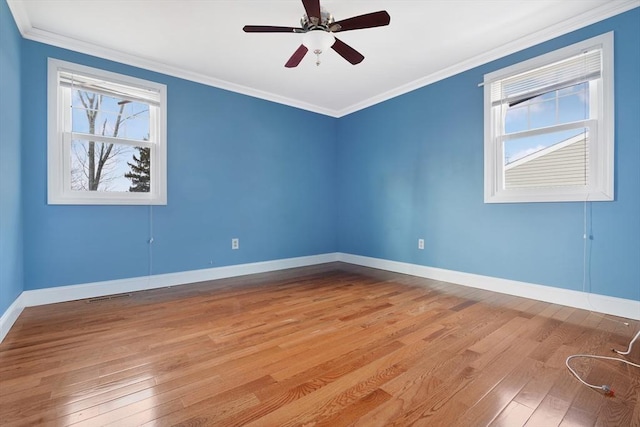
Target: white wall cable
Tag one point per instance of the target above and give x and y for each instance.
(586, 255)
(150, 241)
(584, 248)
(630, 345)
(608, 391)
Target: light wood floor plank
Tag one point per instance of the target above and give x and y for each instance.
(328, 345)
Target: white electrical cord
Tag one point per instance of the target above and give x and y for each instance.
(630, 345)
(586, 236)
(150, 242)
(608, 391)
(584, 251)
(605, 388)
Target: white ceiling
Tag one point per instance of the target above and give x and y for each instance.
(202, 40)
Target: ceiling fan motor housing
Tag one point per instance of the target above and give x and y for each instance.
(318, 26)
(325, 22)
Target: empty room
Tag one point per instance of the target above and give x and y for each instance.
(320, 212)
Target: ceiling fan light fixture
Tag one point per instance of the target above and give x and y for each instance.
(318, 26)
(318, 41)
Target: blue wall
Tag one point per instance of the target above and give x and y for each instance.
(237, 167)
(409, 168)
(11, 278)
(412, 167)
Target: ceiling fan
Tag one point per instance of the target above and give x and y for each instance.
(318, 27)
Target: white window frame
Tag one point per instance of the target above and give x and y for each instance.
(59, 141)
(601, 145)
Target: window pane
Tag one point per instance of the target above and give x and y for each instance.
(555, 159)
(115, 167)
(104, 115)
(517, 118)
(542, 112)
(553, 108)
(573, 103)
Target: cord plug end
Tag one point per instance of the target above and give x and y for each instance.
(608, 391)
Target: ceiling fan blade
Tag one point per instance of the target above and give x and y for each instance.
(270, 29)
(297, 57)
(347, 52)
(312, 7)
(369, 20)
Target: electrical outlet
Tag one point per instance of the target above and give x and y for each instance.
(235, 243)
(420, 243)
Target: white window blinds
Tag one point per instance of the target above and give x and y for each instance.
(578, 69)
(116, 90)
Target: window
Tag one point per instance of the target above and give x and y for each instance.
(549, 130)
(107, 137)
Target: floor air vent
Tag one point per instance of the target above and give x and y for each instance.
(108, 297)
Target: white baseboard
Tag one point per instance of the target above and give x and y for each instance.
(10, 316)
(604, 304)
(593, 302)
(110, 287)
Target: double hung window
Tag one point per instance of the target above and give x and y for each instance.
(549, 126)
(107, 137)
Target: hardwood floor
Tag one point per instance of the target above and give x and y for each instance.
(327, 345)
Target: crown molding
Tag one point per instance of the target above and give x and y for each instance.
(34, 34)
(600, 13)
(20, 16)
(580, 21)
